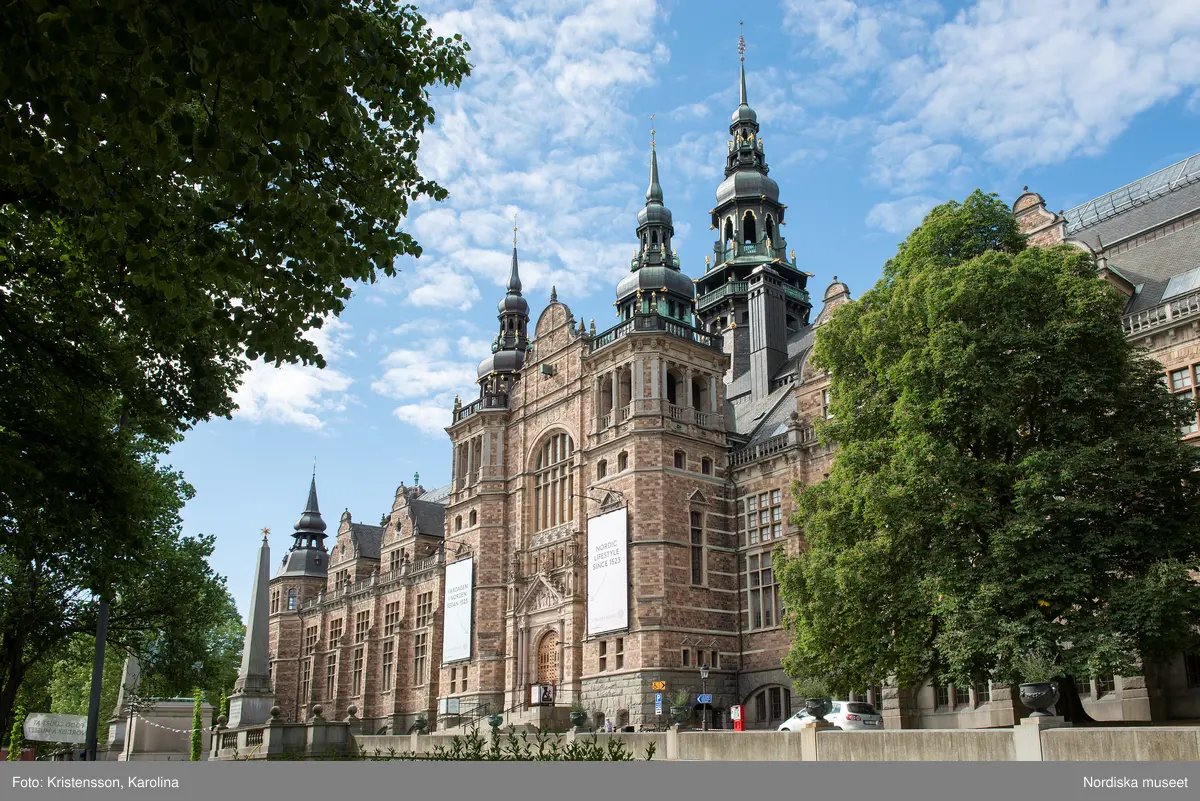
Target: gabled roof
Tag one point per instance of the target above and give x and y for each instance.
(369, 539)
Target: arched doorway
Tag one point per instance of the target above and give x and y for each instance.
(547, 659)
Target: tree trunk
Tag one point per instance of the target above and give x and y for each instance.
(14, 675)
(1070, 705)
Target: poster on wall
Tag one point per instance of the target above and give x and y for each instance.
(456, 620)
(608, 573)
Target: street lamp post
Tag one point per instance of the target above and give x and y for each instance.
(704, 691)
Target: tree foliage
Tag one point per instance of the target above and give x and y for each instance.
(183, 186)
(1010, 477)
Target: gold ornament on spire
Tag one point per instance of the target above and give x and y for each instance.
(651, 131)
(741, 43)
(514, 230)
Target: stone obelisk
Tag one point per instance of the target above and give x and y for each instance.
(252, 699)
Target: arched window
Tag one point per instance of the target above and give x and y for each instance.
(474, 517)
(458, 523)
(728, 230)
(700, 400)
(680, 460)
(769, 706)
(622, 461)
(706, 465)
(291, 598)
(547, 659)
(770, 230)
(554, 483)
(672, 392)
(601, 469)
(654, 237)
(749, 230)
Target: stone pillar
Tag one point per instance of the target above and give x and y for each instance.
(500, 446)
(596, 398)
(712, 394)
(1027, 736)
(616, 393)
(900, 709)
(655, 375)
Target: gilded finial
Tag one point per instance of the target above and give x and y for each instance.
(793, 256)
(265, 532)
(741, 43)
(651, 131)
(514, 230)
(707, 260)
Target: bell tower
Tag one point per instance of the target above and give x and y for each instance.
(752, 290)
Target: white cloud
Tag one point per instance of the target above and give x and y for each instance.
(1017, 83)
(900, 216)
(430, 418)
(426, 375)
(292, 394)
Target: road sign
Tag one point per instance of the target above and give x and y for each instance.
(658, 703)
(658, 685)
(706, 698)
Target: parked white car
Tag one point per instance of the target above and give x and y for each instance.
(844, 715)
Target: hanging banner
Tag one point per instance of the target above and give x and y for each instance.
(608, 573)
(456, 607)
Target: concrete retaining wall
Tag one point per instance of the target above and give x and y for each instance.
(916, 745)
(1125, 744)
(1122, 744)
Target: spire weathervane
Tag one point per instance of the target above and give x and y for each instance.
(651, 131)
(741, 43)
(514, 229)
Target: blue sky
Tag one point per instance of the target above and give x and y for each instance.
(871, 113)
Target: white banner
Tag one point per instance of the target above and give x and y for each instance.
(608, 573)
(43, 727)
(456, 608)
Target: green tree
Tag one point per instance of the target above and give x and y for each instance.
(1010, 476)
(16, 738)
(70, 687)
(196, 723)
(183, 186)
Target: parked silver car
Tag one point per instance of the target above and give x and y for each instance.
(843, 714)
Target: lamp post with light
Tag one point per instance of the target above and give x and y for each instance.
(704, 691)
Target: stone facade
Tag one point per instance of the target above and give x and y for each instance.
(696, 413)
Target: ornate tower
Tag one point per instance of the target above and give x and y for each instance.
(301, 579)
(752, 290)
(655, 283)
(498, 371)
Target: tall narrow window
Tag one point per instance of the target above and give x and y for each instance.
(274, 601)
(622, 461)
(310, 640)
(464, 678)
(620, 653)
(749, 230)
(826, 411)
(362, 625)
(330, 676)
(554, 483)
(389, 653)
(603, 655)
(680, 460)
(453, 680)
(291, 598)
(356, 679)
(706, 466)
(697, 548)
(763, 517)
(335, 633)
(391, 618)
(424, 609)
(762, 604)
(305, 680)
(420, 657)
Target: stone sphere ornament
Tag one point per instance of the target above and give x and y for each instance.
(275, 712)
(222, 720)
(317, 710)
(352, 710)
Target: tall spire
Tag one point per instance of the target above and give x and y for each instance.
(251, 697)
(654, 193)
(514, 278)
(742, 58)
(744, 114)
(310, 525)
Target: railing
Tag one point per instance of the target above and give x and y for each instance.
(229, 740)
(1179, 308)
(467, 411)
(761, 450)
(712, 298)
(654, 322)
(254, 737)
(795, 294)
